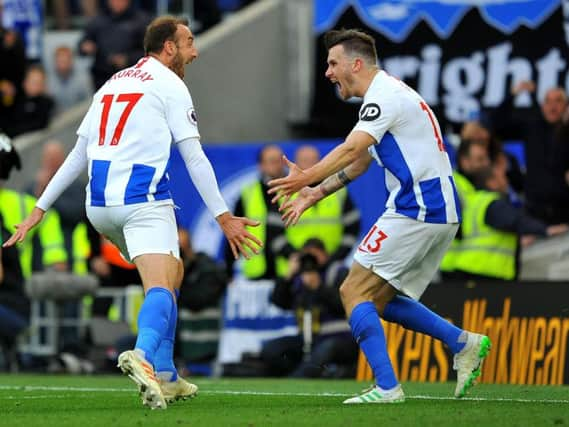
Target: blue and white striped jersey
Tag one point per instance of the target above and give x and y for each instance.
(130, 127)
(418, 173)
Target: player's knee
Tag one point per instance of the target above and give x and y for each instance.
(180, 275)
(346, 292)
(383, 296)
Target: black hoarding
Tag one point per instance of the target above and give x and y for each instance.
(528, 324)
(460, 69)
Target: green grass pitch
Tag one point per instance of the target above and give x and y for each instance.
(41, 400)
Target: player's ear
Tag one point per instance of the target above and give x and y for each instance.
(357, 65)
(169, 46)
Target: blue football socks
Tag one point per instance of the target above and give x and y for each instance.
(413, 315)
(368, 332)
(153, 321)
(164, 358)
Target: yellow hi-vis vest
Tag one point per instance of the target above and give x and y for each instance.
(484, 250)
(463, 185)
(255, 208)
(463, 188)
(15, 207)
(81, 249)
(322, 221)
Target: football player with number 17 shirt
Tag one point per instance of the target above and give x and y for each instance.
(124, 141)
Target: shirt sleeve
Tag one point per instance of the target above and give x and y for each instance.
(202, 175)
(377, 117)
(181, 115)
(83, 129)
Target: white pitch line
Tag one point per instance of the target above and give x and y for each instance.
(488, 399)
(47, 396)
(273, 393)
(58, 388)
(411, 397)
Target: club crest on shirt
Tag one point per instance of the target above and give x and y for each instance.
(192, 116)
(370, 112)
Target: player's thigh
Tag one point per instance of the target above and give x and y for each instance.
(361, 284)
(152, 240)
(108, 222)
(417, 278)
(398, 248)
(150, 228)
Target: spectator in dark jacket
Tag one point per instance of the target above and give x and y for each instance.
(12, 52)
(204, 280)
(502, 216)
(546, 152)
(114, 39)
(32, 108)
(14, 304)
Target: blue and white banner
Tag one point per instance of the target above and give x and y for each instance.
(25, 17)
(396, 19)
(249, 319)
(462, 56)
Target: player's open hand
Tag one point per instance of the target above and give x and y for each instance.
(293, 208)
(23, 228)
(293, 182)
(240, 240)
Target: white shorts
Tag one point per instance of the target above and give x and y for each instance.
(142, 228)
(405, 252)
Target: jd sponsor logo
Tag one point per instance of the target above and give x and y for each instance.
(370, 112)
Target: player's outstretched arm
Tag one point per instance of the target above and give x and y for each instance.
(203, 177)
(26, 225)
(309, 196)
(75, 162)
(240, 240)
(343, 155)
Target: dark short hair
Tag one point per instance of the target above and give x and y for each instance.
(263, 150)
(354, 42)
(314, 242)
(465, 146)
(160, 30)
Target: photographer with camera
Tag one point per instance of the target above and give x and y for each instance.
(324, 346)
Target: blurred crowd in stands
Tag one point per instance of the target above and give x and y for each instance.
(33, 92)
(506, 205)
